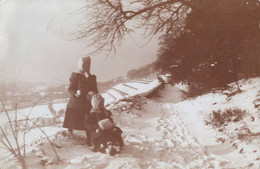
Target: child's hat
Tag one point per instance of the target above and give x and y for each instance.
(97, 101)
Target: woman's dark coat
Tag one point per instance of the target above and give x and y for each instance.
(78, 107)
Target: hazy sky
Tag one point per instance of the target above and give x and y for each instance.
(35, 43)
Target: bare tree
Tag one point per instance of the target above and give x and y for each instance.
(110, 20)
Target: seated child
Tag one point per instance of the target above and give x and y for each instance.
(104, 134)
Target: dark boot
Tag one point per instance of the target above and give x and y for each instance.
(96, 148)
(89, 143)
(121, 143)
(88, 134)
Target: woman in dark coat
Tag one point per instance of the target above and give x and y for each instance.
(82, 85)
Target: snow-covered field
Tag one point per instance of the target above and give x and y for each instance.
(162, 132)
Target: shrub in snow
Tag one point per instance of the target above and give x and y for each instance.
(222, 118)
(231, 123)
(14, 139)
(128, 104)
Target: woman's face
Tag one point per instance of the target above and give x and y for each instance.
(86, 67)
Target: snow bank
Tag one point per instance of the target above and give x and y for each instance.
(126, 90)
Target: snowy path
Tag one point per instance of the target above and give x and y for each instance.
(159, 139)
(167, 136)
(179, 143)
(203, 133)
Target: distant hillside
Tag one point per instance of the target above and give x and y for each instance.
(103, 86)
(147, 72)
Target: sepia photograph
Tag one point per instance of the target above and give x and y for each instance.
(129, 84)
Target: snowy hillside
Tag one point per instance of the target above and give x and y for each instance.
(161, 132)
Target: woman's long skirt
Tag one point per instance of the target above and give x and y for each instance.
(74, 119)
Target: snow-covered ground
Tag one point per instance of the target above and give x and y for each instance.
(161, 132)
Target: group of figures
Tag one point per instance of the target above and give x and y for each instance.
(86, 111)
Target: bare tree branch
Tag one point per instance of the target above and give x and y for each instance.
(110, 20)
